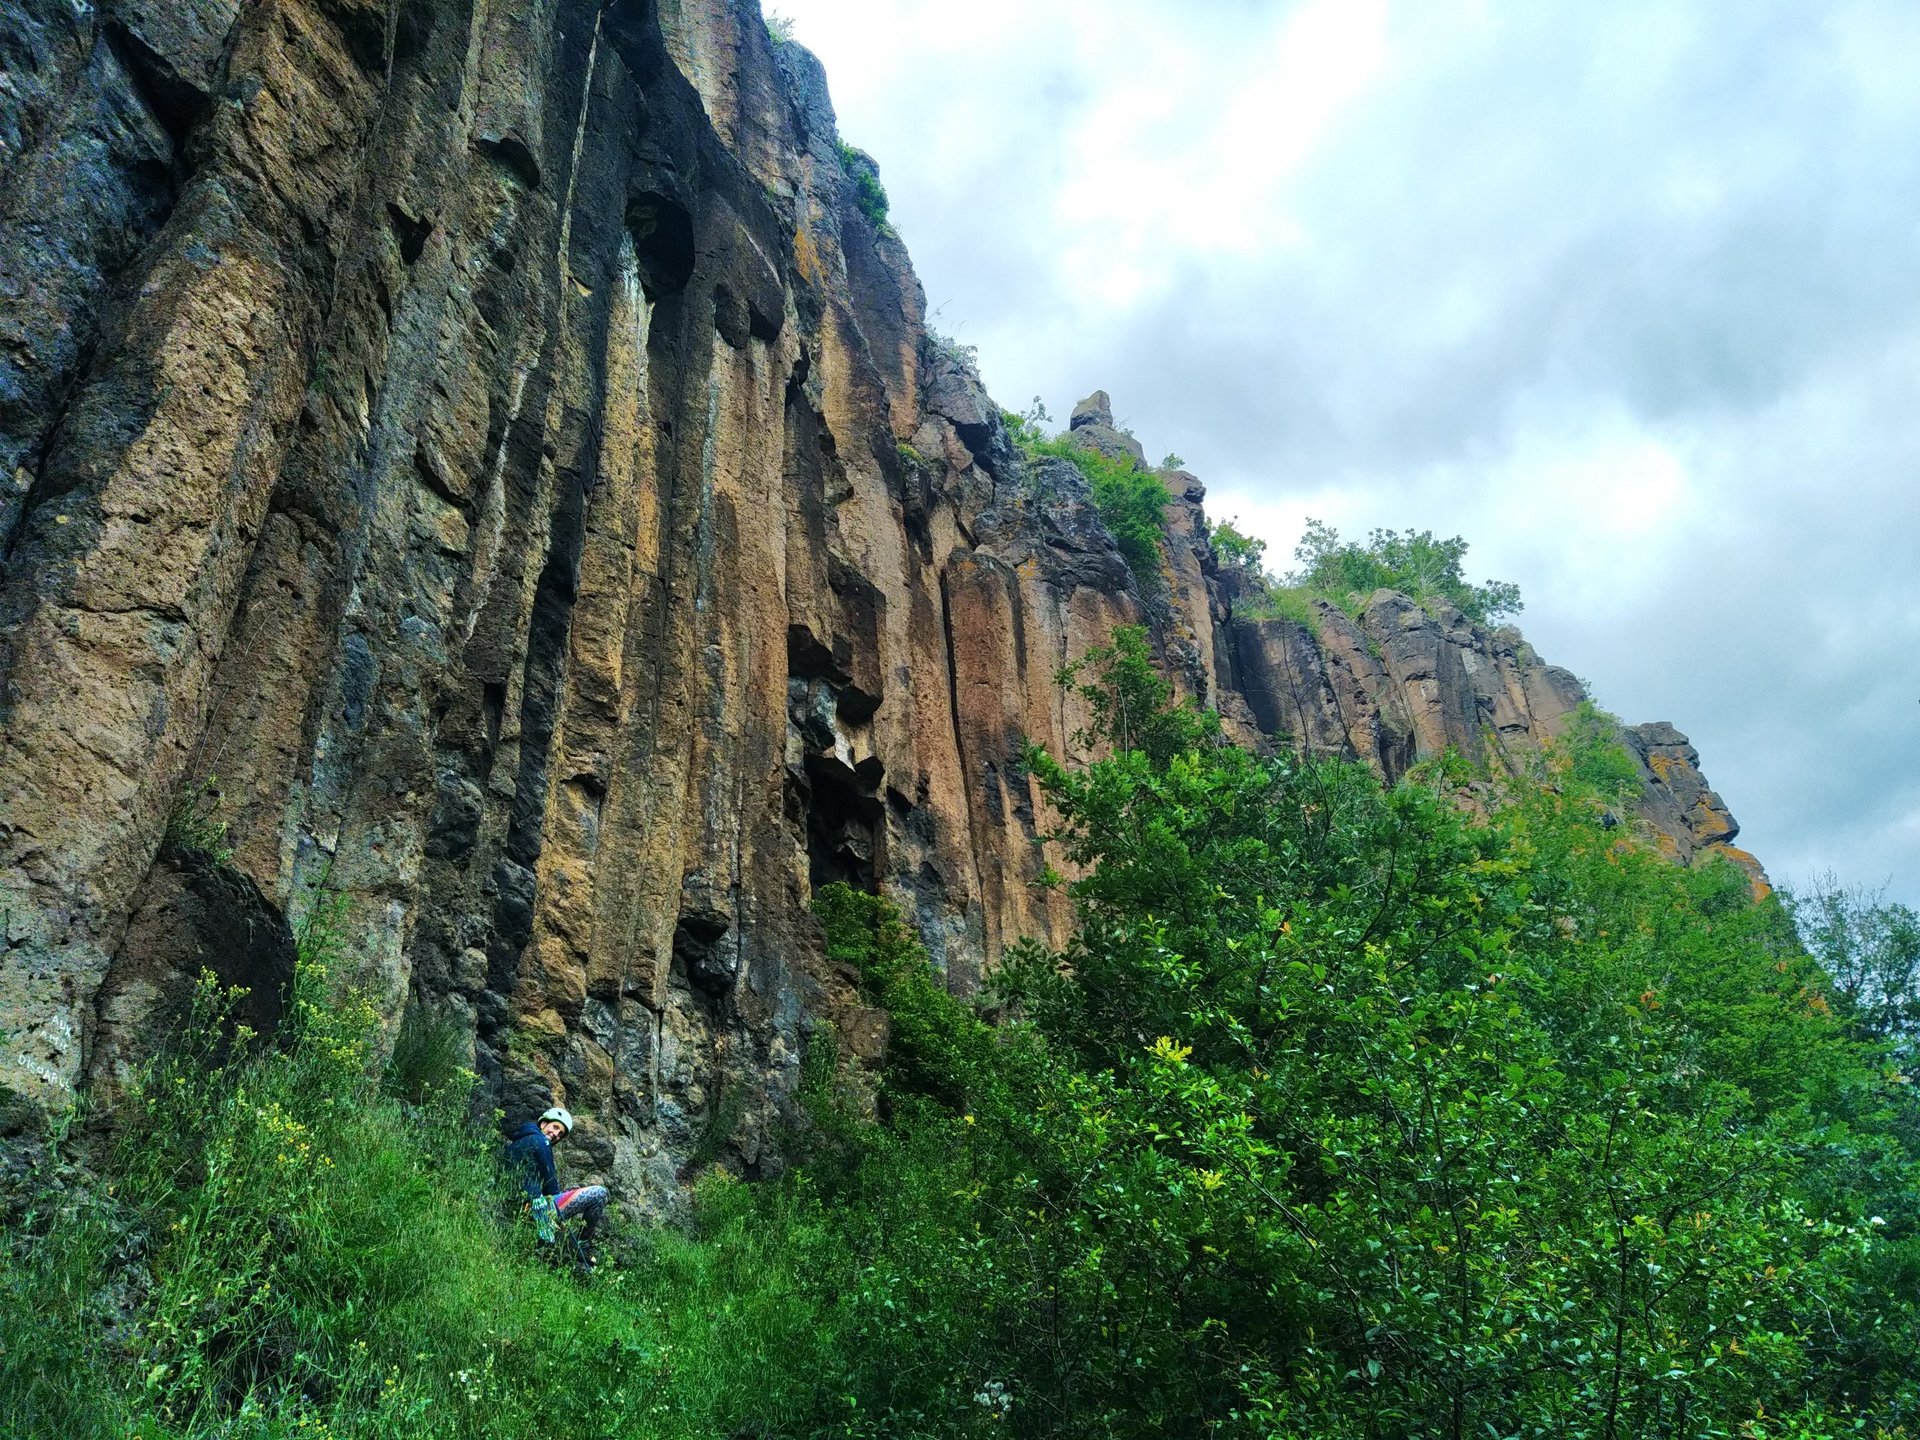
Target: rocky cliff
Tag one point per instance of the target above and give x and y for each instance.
(492, 461)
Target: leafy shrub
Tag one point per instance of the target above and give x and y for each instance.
(194, 823)
(1595, 758)
(966, 357)
(869, 195)
(1132, 504)
(1412, 561)
(1347, 1114)
(1449, 770)
(1027, 428)
(939, 1048)
(1236, 550)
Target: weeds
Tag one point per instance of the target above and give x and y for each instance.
(430, 1056)
(869, 195)
(194, 822)
(1282, 602)
(284, 1247)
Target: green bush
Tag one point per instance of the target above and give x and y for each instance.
(1236, 550)
(1346, 1114)
(869, 195)
(1412, 561)
(939, 1048)
(1027, 428)
(1596, 758)
(1132, 504)
(1455, 1077)
(322, 1259)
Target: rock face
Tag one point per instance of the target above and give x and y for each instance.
(193, 915)
(496, 443)
(1404, 683)
(1687, 817)
(1092, 425)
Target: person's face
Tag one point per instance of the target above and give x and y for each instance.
(553, 1130)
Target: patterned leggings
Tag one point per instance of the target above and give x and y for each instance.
(589, 1202)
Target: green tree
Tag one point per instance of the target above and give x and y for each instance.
(1233, 547)
(1508, 1128)
(1870, 946)
(1413, 561)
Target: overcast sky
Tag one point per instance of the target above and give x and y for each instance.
(1627, 294)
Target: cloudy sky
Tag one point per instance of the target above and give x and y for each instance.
(1627, 294)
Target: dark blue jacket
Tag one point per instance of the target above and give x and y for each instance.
(530, 1158)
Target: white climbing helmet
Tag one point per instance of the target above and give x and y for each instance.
(559, 1113)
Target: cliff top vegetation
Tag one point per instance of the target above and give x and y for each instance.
(1130, 498)
(1347, 572)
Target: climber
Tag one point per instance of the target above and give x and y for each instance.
(530, 1158)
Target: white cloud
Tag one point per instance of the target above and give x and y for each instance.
(1628, 294)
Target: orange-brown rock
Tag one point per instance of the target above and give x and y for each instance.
(494, 441)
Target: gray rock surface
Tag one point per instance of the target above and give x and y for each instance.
(1092, 426)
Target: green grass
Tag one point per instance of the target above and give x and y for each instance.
(281, 1247)
(194, 822)
(1282, 602)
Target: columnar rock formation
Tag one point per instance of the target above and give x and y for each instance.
(495, 443)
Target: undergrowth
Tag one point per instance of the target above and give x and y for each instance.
(283, 1247)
